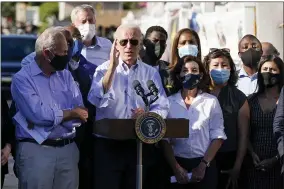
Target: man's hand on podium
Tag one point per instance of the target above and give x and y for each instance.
(137, 112)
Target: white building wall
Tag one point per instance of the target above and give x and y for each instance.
(269, 16)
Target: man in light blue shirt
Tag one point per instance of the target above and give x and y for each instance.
(250, 51)
(96, 49)
(49, 106)
(113, 95)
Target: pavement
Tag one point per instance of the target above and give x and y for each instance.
(11, 182)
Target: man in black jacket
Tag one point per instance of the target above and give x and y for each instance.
(155, 45)
(278, 128)
(7, 137)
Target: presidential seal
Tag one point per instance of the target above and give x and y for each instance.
(150, 127)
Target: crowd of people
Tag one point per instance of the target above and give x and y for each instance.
(75, 78)
(19, 28)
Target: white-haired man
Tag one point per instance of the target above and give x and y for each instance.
(96, 49)
(113, 95)
(48, 104)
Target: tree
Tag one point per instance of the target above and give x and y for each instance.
(130, 5)
(47, 10)
(8, 9)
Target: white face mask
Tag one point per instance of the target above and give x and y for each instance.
(188, 50)
(88, 31)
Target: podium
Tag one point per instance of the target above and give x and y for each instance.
(123, 129)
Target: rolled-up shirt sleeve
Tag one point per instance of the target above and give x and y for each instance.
(31, 106)
(161, 106)
(216, 122)
(96, 94)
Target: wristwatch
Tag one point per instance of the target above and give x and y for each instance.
(205, 162)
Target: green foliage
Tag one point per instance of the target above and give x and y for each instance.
(43, 27)
(130, 5)
(8, 9)
(48, 9)
(34, 3)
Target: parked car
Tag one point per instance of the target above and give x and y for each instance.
(13, 49)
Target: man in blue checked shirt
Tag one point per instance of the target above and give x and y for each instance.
(49, 106)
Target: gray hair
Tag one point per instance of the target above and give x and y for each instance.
(47, 40)
(83, 7)
(127, 26)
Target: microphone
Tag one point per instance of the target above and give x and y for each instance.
(140, 91)
(152, 87)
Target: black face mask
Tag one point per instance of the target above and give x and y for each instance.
(270, 79)
(190, 81)
(154, 51)
(251, 58)
(59, 63)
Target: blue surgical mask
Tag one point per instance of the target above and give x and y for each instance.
(78, 46)
(188, 50)
(220, 76)
(190, 81)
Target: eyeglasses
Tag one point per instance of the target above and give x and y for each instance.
(124, 42)
(224, 50)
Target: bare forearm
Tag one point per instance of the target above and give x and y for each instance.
(213, 149)
(107, 79)
(243, 133)
(242, 147)
(67, 115)
(169, 154)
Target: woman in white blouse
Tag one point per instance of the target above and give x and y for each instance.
(196, 153)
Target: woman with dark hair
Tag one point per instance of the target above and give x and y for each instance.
(221, 68)
(186, 42)
(264, 170)
(196, 153)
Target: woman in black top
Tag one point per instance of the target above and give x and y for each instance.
(221, 68)
(263, 170)
(7, 137)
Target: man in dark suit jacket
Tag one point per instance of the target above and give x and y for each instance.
(7, 137)
(278, 128)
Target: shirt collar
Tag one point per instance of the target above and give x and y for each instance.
(35, 70)
(96, 42)
(178, 98)
(125, 67)
(243, 74)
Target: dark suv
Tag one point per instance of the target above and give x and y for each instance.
(13, 49)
